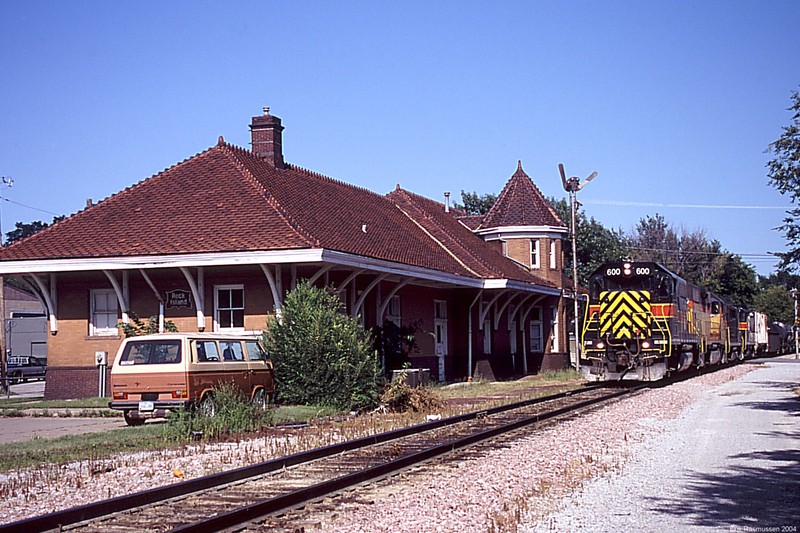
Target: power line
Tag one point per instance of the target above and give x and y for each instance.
(701, 252)
(686, 206)
(29, 206)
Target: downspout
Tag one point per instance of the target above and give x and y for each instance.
(469, 334)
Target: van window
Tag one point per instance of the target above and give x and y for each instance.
(232, 350)
(254, 351)
(207, 351)
(151, 353)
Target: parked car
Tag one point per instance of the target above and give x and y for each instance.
(25, 367)
(155, 374)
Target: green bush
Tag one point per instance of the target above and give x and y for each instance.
(138, 327)
(234, 412)
(321, 356)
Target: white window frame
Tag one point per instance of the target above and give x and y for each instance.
(105, 329)
(535, 331)
(487, 336)
(553, 262)
(504, 247)
(535, 263)
(554, 333)
(440, 309)
(512, 329)
(218, 309)
(394, 311)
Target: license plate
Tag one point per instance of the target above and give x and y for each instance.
(146, 406)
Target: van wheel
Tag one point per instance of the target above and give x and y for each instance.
(208, 407)
(260, 400)
(133, 420)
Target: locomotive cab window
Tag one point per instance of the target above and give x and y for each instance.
(664, 285)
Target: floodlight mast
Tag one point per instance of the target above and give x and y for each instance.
(572, 186)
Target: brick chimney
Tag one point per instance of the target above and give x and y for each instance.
(266, 138)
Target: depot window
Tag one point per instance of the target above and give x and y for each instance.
(229, 307)
(104, 313)
(534, 253)
(536, 330)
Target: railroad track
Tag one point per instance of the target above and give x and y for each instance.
(256, 495)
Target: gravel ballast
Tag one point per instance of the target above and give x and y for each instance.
(520, 487)
(521, 484)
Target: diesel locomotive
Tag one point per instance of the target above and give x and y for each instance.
(643, 322)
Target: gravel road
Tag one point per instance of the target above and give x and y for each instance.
(731, 462)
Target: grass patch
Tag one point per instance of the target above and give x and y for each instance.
(93, 448)
(38, 403)
(289, 414)
(62, 450)
(14, 401)
(149, 437)
(567, 378)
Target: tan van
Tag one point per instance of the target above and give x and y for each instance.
(154, 374)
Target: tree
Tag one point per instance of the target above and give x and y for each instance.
(694, 257)
(780, 278)
(784, 175)
(733, 278)
(596, 244)
(321, 356)
(777, 303)
(22, 230)
(475, 204)
(653, 239)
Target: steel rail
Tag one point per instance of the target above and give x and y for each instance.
(299, 497)
(92, 511)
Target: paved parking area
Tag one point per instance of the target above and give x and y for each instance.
(31, 389)
(27, 428)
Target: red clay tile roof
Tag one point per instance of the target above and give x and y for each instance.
(227, 199)
(521, 204)
(472, 251)
(206, 203)
(473, 222)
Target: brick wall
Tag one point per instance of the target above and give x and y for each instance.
(74, 382)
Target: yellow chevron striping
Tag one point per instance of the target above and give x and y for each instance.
(625, 313)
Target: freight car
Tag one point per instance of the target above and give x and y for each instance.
(643, 322)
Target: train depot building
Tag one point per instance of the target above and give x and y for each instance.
(214, 243)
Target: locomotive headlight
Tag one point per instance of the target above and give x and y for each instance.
(626, 269)
(600, 345)
(646, 345)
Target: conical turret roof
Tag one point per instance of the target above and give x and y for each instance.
(521, 203)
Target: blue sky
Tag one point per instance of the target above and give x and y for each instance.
(672, 103)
